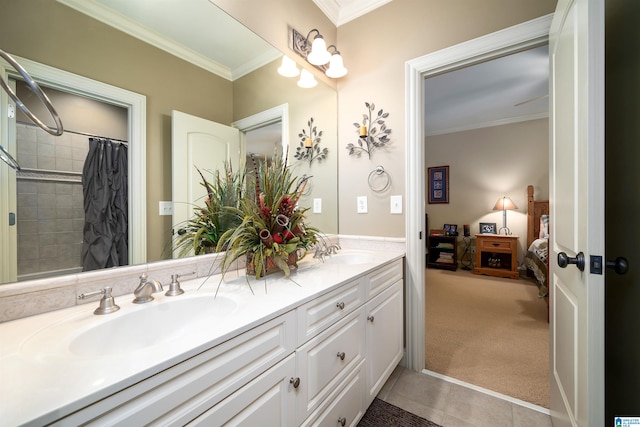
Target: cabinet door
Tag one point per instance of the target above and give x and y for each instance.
(384, 337)
(268, 400)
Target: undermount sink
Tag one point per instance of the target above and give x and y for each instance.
(134, 327)
(350, 257)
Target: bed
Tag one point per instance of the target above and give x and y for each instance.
(536, 257)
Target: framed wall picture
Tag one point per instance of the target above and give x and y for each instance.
(438, 184)
(487, 228)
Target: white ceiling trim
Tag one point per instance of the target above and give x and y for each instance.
(500, 122)
(124, 24)
(342, 11)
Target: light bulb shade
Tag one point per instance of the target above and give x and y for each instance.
(288, 67)
(307, 80)
(319, 54)
(504, 203)
(336, 67)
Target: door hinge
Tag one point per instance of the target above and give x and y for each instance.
(12, 218)
(11, 111)
(595, 264)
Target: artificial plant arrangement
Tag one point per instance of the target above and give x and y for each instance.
(204, 230)
(271, 229)
(373, 132)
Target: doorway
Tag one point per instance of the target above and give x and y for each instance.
(529, 34)
(488, 123)
(135, 106)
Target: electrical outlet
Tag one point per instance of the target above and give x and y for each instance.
(165, 208)
(362, 204)
(472, 249)
(317, 206)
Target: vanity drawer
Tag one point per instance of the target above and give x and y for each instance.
(347, 402)
(384, 277)
(322, 312)
(324, 361)
(496, 244)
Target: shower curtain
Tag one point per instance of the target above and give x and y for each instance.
(104, 186)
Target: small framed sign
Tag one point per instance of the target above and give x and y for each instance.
(438, 184)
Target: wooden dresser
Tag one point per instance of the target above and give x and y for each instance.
(497, 255)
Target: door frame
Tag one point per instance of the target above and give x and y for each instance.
(510, 40)
(136, 106)
(272, 115)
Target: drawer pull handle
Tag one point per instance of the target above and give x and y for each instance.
(370, 318)
(496, 244)
(342, 421)
(340, 305)
(295, 382)
(341, 355)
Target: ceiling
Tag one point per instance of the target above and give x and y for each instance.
(505, 90)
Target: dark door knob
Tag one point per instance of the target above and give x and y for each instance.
(620, 265)
(564, 260)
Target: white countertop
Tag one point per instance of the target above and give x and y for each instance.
(42, 380)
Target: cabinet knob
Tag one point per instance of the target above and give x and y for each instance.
(341, 355)
(295, 382)
(340, 305)
(342, 421)
(370, 318)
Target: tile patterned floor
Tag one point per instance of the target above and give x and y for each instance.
(454, 405)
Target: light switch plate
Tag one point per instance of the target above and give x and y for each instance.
(362, 204)
(396, 205)
(165, 208)
(317, 206)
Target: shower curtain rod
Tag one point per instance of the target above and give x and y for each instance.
(86, 134)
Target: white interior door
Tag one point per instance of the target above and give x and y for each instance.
(576, 52)
(8, 193)
(202, 144)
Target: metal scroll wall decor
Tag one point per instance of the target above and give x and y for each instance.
(373, 132)
(309, 148)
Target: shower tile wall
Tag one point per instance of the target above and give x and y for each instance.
(50, 211)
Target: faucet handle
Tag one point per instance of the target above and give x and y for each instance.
(107, 303)
(174, 287)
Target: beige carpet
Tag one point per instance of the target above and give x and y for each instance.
(487, 331)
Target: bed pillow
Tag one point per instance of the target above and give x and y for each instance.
(544, 227)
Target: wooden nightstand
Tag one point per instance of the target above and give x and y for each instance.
(497, 255)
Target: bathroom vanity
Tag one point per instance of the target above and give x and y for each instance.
(314, 349)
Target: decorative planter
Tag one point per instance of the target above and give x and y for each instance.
(270, 266)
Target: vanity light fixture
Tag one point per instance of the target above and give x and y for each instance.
(288, 67)
(327, 59)
(307, 80)
(504, 204)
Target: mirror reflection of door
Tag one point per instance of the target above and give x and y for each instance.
(48, 196)
(196, 144)
(261, 145)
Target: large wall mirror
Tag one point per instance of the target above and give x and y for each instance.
(55, 34)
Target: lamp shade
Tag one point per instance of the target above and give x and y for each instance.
(307, 80)
(336, 67)
(288, 67)
(504, 203)
(319, 54)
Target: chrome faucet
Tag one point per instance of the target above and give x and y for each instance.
(323, 250)
(145, 288)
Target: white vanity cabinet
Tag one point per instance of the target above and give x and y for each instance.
(320, 363)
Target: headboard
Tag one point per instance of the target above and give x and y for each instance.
(535, 209)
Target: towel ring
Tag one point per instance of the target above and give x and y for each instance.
(35, 88)
(8, 159)
(309, 182)
(379, 170)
